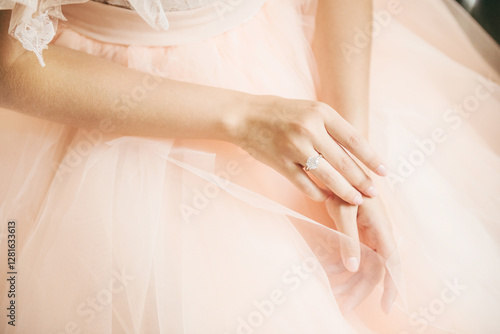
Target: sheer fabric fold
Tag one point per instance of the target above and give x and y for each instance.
(196, 236)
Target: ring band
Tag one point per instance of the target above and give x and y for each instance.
(313, 162)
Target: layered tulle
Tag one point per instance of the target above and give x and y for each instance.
(146, 235)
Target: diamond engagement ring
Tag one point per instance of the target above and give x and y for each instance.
(313, 162)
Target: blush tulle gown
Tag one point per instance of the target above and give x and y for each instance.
(121, 234)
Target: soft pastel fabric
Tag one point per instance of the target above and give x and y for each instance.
(34, 22)
(121, 234)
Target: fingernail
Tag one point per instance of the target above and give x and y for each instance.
(387, 309)
(358, 200)
(371, 191)
(352, 264)
(381, 170)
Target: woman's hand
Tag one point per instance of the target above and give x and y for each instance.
(375, 232)
(368, 224)
(284, 133)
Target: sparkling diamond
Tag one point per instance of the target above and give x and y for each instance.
(313, 162)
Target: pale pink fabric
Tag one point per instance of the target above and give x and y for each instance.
(142, 235)
(123, 26)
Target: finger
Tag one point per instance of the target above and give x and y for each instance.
(361, 284)
(360, 288)
(389, 252)
(343, 132)
(345, 165)
(344, 216)
(332, 179)
(303, 182)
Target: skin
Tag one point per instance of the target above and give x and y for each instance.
(185, 110)
(345, 87)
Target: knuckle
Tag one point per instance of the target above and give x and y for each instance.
(306, 123)
(346, 164)
(315, 105)
(319, 107)
(354, 140)
(314, 111)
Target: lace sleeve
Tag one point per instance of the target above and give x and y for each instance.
(34, 22)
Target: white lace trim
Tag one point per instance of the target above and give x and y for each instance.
(155, 13)
(34, 23)
(36, 34)
(168, 5)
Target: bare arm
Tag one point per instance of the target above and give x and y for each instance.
(342, 48)
(83, 90)
(343, 60)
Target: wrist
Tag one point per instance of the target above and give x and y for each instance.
(357, 114)
(236, 117)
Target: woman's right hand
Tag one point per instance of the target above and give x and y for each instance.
(284, 133)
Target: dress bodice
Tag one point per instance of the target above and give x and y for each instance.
(34, 23)
(168, 5)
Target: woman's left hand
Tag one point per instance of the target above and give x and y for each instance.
(370, 225)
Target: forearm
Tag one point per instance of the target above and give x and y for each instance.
(83, 90)
(343, 60)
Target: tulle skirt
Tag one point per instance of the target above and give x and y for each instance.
(122, 234)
